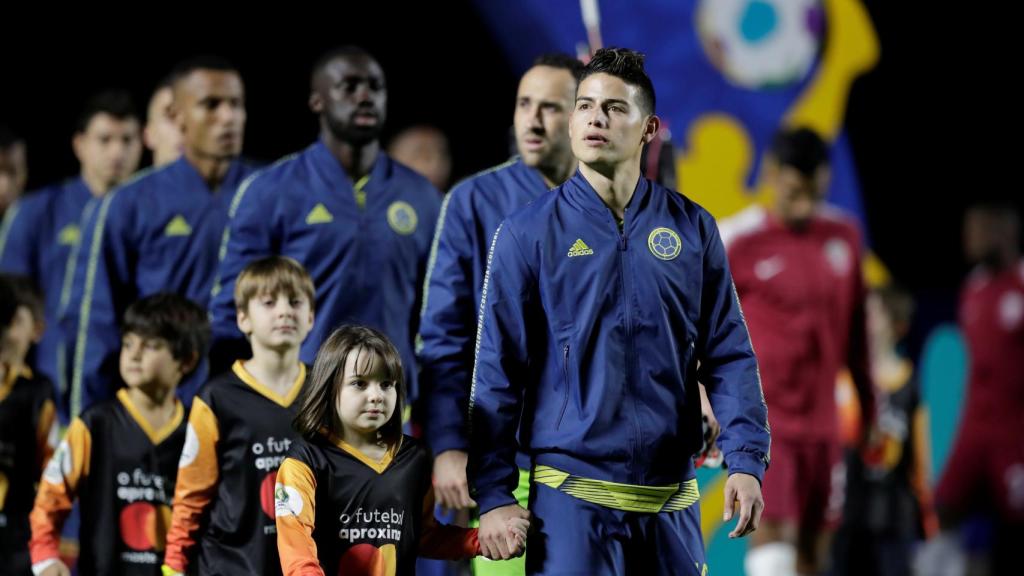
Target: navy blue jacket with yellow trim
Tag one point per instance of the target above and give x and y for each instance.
(38, 239)
(157, 233)
(367, 263)
(470, 214)
(595, 336)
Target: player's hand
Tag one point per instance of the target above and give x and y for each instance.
(497, 542)
(56, 569)
(705, 409)
(746, 490)
(451, 489)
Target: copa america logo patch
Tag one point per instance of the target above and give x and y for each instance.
(664, 243)
(287, 501)
(402, 218)
(191, 448)
(59, 466)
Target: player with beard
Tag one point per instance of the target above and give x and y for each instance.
(359, 222)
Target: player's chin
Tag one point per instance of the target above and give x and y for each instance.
(226, 149)
(588, 154)
(530, 157)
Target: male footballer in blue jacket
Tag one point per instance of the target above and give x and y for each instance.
(160, 231)
(604, 303)
(470, 214)
(358, 221)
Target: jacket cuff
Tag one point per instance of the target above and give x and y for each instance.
(746, 463)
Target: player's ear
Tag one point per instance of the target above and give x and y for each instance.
(651, 128)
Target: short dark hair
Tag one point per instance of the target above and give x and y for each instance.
(995, 209)
(626, 65)
(8, 137)
(799, 148)
(317, 412)
(997, 213)
(347, 51)
(562, 61)
(166, 82)
(27, 294)
(116, 103)
(202, 62)
(183, 323)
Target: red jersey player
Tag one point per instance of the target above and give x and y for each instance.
(985, 470)
(796, 265)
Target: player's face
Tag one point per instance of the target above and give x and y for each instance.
(544, 103)
(148, 363)
(109, 149)
(276, 322)
(13, 173)
(797, 196)
(609, 125)
(209, 108)
(351, 95)
(367, 397)
(161, 134)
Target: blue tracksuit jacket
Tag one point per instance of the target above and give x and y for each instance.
(594, 335)
(157, 233)
(367, 262)
(470, 214)
(39, 238)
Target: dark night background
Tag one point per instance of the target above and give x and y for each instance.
(444, 68)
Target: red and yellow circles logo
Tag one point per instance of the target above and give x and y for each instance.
(368, 560)
(267, 493)
(144, 526)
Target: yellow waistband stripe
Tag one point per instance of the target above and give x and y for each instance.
(626, 497)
